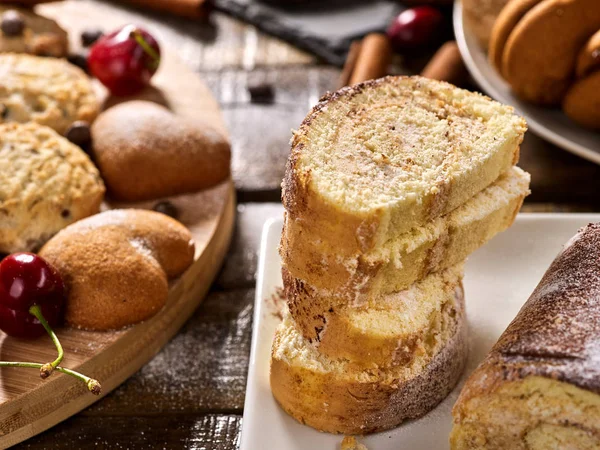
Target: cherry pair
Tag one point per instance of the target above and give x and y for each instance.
(32, 298)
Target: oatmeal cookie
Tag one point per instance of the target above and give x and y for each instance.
(46, 183)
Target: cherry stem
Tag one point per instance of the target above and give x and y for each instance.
(93, 385)
(47, 369)
(147, 47)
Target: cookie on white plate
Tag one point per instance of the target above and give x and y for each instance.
(46, 183)
(48, 91)
(480, 15)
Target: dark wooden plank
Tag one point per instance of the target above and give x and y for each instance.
(203, 369)
(239, 269)
(260, 133)
(172, 432)
(558, 176)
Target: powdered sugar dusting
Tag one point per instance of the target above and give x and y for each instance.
(276, 303)
(142, 248)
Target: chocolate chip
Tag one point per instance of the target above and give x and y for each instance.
(65, 213)
(167, 208)
(89, 37)
(12, 23)
(3, 111)
(78, 60)
(79, 133)
(261, 93)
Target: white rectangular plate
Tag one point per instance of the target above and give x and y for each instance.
(499, 278)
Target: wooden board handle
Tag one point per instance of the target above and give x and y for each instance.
(195, 9)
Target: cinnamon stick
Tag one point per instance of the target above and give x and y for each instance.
(447, 65)
(195, 9)
(373, 59)
(350, 64)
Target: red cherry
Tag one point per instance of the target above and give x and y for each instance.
(27, 279)
(414, 28)
(125, 60)
(32, 297)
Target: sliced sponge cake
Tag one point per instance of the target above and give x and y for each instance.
(376, 159)
(442, 243)
(332, 395)
(396, 329)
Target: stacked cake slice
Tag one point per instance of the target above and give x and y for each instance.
(390, 185)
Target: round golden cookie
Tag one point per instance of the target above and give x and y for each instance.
(116, 266)
(41, 36)
(589, 56)
(539, 57)
(503, 26)
(480, 16)
(582, 101)
(48, 91)
(46, 183)
(144, 151)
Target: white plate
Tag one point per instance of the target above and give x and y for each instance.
(499, 278)
(550, 124)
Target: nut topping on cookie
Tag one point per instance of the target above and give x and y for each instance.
(79, 133)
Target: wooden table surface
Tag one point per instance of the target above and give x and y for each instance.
(192, 394)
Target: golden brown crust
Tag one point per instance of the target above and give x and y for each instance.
(144, 151)
(335, 403)
(555, 335)
(540, 69)
(116, 266)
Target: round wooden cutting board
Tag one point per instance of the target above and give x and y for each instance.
(29, 405)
